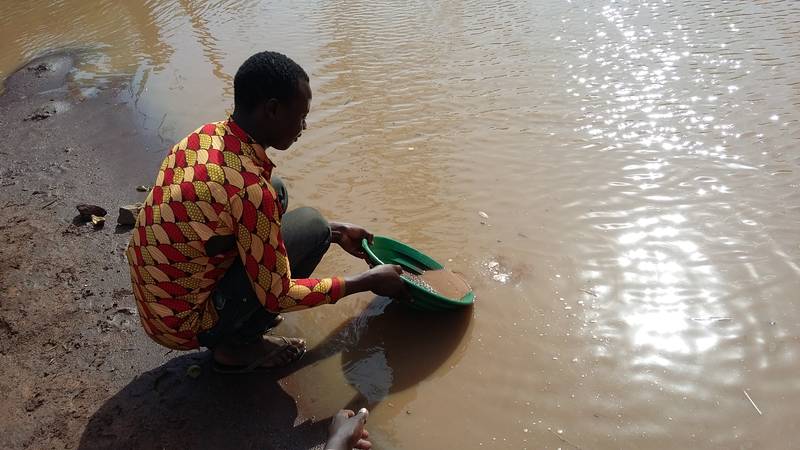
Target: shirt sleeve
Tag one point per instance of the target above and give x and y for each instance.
(255, 220)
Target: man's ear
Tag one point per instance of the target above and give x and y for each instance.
(271, 107)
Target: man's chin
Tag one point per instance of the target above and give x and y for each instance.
(284, 146)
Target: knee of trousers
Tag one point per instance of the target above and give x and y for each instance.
(280, 190)
(315, 225)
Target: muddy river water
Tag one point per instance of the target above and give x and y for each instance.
(637, 262)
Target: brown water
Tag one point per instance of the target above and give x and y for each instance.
(639, 268)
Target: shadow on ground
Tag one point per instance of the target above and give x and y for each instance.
(165, 408)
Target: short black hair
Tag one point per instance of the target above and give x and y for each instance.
(263, 76)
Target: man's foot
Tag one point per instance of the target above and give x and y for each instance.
(269, 353)
(347, 431)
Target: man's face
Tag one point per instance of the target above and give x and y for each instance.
(291, 117)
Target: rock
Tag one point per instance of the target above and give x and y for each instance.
(38, 69)
(128, 214)
(40, 114)
(98, 221)
(142, 188)
(483, 214)
(87, 211)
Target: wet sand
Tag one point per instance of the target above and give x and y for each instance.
(636, 260)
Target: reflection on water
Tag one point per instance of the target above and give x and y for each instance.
(637, 257)
(683, 103)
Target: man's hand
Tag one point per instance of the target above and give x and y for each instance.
(347, 431)
(383, 280)
(349, 237)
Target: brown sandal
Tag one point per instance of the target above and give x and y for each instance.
(258, 365)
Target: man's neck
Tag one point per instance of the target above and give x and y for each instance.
(246, 124)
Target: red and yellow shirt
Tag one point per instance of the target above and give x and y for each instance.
(215, 182)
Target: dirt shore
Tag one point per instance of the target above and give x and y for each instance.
(76, 370)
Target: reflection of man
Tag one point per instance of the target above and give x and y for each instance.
(213, 257)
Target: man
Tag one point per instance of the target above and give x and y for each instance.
(215, 257)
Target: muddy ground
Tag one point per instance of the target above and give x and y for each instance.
(76, 369)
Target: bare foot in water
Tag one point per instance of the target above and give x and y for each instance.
(347, 431)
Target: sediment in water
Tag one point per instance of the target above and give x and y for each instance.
(443, 282)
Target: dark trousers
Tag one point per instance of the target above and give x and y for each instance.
(242, 319)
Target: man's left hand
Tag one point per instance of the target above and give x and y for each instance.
(349, 237)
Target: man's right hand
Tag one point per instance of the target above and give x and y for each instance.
(383, 280)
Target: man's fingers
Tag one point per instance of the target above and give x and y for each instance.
(349, 413)
(370, 238)
(406, 294)
(363, 413)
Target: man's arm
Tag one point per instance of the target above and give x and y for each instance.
(255, 221)
(254, 217)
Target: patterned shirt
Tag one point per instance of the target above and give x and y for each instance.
(215, 182)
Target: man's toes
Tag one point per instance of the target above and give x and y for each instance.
(295, 348)
(298, 345)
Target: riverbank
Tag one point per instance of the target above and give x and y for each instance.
(76, 369)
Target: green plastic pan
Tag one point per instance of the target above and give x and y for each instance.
(385, 250)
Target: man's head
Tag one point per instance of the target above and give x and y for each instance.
(271, 99)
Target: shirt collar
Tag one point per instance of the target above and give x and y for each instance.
(253, 149)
